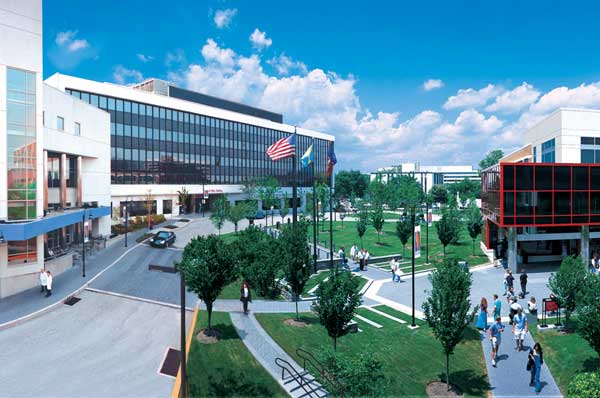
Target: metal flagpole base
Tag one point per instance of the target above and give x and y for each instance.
(413, 327)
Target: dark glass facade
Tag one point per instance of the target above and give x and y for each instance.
(157, 145)
(542, 194)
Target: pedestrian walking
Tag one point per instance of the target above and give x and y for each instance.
(48, 284)
(245, 297)
(482, 319)
(523, 280)
(505, 282)
(510, 279)
(43, 280)
(495, 332)
(534, 365)
(497, 307)
(361, 259)
(367, 257)
(342, 256)
(520, 327)
(532, 305)
(394, 268)
(513, 308)
(353, 252)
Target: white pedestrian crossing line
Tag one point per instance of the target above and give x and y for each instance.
(393, 318)
(370, 322)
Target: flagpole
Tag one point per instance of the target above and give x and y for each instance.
(314, 216)
(331, 214)
(295, 180)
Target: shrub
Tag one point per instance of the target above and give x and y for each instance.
(138, 220)
(584, 385)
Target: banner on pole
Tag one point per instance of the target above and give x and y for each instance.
(430, 217)
(86, 232)
(417, 242)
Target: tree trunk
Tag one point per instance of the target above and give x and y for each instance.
(235, 228)
(361, 243)
(378, 237)
(448, 371)
(335, 344)
(444, 250)
(209, 310)
(473, 246)
(297, 315)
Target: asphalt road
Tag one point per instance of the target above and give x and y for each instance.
(103, 346)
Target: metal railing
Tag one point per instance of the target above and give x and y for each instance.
(308, 357)
(296, 376)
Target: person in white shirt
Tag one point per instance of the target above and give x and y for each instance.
(353, 252)
(396, 272)
(520, 328)
(361, 259)
(532, 305)
(43, 280)
(245, 297)
(367, 257)
(48, 284)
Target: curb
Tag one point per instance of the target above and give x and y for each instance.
(176, 392)
(140, 299)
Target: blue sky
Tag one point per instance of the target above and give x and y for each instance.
(349, 68)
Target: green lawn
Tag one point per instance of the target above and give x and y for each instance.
(390, 244)
(411, 358)
(566, 355)
(232, 292)
(227, 369)
(229, 237)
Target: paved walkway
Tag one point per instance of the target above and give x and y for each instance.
(510, 378)
(266, 350)
(234, 306)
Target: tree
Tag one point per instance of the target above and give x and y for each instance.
(351, 183)
(491, 158)
(377, 220)
(474, 222)
(359, 375)
(209, 264)
(447, 307)
(404, 231)
(466, 189)
(295, 255)
(267, 192)
(377, 192)
(438, 194)
(448, 228)
(361, 225)
(237, 213)
(567, 282)
(182, 198)
(409, 191)
(337, 300)
(220, 213)
(322, 192)
(285, 208)
(584, 385)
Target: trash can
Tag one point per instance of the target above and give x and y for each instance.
(464, 265)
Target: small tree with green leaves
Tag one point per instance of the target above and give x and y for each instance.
(361, 225)
(295, 256)
(285, 208)
(238, 212)
(447, 307)
(358, 375)
(448, 228)
(404, 232)
(567, 283)
(474, 222)
(182, 198)
(377, 220)
(220, 213)
(209, 264)
(588, 308)
(337, 300)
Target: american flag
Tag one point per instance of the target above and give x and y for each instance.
(284, 148)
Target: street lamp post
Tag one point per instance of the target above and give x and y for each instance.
(413, 211)
(83, 240)
(272, 215)
(126, 214)
(183, 339)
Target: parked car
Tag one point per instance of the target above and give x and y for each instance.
(162, 239)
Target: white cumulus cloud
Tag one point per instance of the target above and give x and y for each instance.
(472, 98)
(213, 53)
(145, 58)
(432, 84)
(259, 39)
(284, 65)
(68, 41)
(514, 100)
(123, 75)
(223, 18)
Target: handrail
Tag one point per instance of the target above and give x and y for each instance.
(291, 370)
(308, 356)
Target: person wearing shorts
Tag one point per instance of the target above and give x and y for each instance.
(495, 332)
(520, 328)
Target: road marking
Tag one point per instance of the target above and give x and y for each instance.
(393, 318)
(135, 298)
(370, 322)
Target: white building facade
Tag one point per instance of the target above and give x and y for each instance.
(428, 176)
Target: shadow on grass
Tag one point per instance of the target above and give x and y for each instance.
(591, 364)
(470, 383)
(228, 332)
(225, 382)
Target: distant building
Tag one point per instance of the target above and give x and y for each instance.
(543, 200)
(428, 176)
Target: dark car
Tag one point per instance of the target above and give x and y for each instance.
(162, 239)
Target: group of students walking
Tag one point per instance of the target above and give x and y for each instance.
(46, 282)
(518, 322)
(361, 256)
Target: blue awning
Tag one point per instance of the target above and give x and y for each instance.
(28, 230)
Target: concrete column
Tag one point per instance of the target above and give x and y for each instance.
(79, 182)
(511, 255)
(585, 244)
(63, 180)
(45, 166)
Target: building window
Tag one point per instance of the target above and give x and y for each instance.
(590, 150)
(21, 144)
(167, 206)
(77, 128)
(548, 151)
(22, 251)
(535, 154)
(60, 123)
